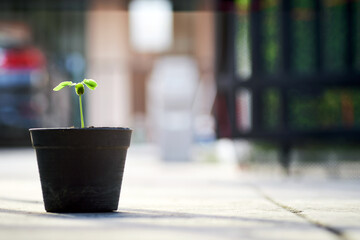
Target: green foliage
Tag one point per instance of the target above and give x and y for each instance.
(242, 4)
(335, 32)
(79, 89)
(62, 85)
(330, 108)
(272, 108)
(303, 38)
(271, 36)
(90, 83)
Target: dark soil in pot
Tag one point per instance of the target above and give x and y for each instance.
(81, 170)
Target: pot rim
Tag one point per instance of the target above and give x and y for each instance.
(125, 129)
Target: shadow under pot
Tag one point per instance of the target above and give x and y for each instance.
(81, 169)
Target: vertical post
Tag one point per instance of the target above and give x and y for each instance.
(285, 149)
(257, 61)
(349, 35)
(231, 19)
(286, 37)
(225, 59)
(286, 60)
(256, 39)
(318, 37)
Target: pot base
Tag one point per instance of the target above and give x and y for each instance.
(80, 199)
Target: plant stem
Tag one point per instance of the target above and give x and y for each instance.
(81, 113)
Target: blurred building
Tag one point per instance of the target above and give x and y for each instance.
(123, 64)
(113, 43)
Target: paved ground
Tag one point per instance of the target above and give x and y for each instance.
(184, 201)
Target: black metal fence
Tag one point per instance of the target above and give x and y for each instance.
(288, 71)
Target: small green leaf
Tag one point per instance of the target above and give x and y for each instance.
(62, 85)
(90, 83)
(79, 89)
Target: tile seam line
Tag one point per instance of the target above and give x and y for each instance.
(341, 235)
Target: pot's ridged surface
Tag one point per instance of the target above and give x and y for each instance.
(81, 170)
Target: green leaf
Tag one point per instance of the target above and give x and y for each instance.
(79, 89)
(62, 85)
(90, 83)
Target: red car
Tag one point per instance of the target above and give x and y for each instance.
(23, 74)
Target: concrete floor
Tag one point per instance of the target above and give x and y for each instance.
(184, 201)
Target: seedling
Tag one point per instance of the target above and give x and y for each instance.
(79, 89)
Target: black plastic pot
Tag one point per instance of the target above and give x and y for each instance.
(81, 169)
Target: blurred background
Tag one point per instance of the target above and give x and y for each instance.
(262, 84)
